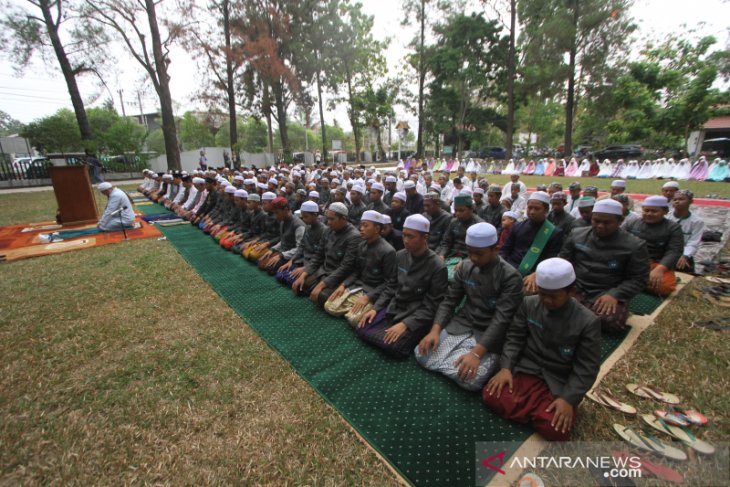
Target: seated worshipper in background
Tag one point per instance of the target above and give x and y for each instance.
(309, 246)
(669, 189)
(291, 232)
(629, 216)
(439, 219)
(241, 223)
(478, 196)
(519, 202)
(376, 198)
(493, 211)
(692, 228)
(589, 192)
(550, 358)
(388, 235)
(453, 245)
(254, 249)
(414, 200)
(664, 243)
(210, 202)
(172, 190)
(611, 265)
(585, 210)
(147, 181)
(508, 220)
(533, 240)
(222, 211)
(390, 189)
(118, 213)
(166, 181)
(464, 345)
(404, 311)
(398, 214)
(374, 262)
(227, 221)
(573, 197)
(558, 216)
(515, 179)
(190, 208)
(357, 208)
(256, 225)
(335, 259)
(186, 186)
(555, 188)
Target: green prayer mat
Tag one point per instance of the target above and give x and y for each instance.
(645, 304)
(422, 423)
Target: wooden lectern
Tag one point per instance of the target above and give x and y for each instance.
(74, 194)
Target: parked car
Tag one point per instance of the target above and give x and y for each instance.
(495, 153)
(619, 151)
(38, 168)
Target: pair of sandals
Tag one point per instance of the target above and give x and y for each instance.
(604, 397)
(719, 324)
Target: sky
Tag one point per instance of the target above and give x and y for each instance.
(39, 90)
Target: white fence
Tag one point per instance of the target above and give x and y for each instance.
(189, 160)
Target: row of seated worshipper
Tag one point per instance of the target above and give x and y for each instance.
(533, 358)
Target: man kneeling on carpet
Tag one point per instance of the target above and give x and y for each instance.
(465, 345)
(403, 312)
(551, 356)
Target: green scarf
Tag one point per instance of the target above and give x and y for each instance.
(538, 245)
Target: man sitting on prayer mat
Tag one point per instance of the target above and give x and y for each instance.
(453, 245)
(464, 345)
(309, 247)
(440, 220)
(256, 224)
(664, 243)
(185, 187)
(291, 232)
(335, 259)
(404, 311)
(374, 262)
(611, 265)
(185, 210)
(398, 214)
(257, 247)
(210, 202)
(550, 358)
(377, 190)
(533, 240)
(692, 228)
(221, 212)
(357, 208)
(241, 221)
(558, 216)
(584, 207)
(493, 210)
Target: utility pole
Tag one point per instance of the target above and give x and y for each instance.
(121, 101)
(141, 112)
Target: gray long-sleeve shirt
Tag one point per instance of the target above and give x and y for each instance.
(562, 347)
(310, 243)
(439, 225)
(355, 213)
(562, 220)
(664, 240)
(493, 294)
(336, 256)
(118, 200)
(454, 242)
(617, 265)
(493, 214)
(415, 289)
(373, 265)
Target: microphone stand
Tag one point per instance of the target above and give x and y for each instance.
(124, 230)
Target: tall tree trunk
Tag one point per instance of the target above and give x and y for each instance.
(568, 150)
(511, 79)
(267, 112)
(353, 115)
(232, 122)
(321, 110)
(169, 130)
(421, 80)
(281, 119)
(68, 73)
(380, 143)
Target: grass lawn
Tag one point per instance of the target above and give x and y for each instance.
(120, 365)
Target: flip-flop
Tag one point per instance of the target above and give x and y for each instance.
(719, 324)
(696, 417)
(681, 434)
(651, 469)
(649, 443)
(677, 417)
(605, 398)
(650, 392)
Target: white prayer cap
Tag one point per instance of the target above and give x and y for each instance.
(314, 194)
(619, 183)
(241, 193)
(167, 176)
(104, 186)
(268, 196)
(310, 207)
(261, 186)
(249, 182)
(417, 222)
(409, 184)
(371, 216)
(586, 202)
(391, 179)
(358, 188)
(465, 192)
(555, 273)
(296, 173)
(238, 178)
(224, 183)
(198, 181)
(184, 173)
(385, 219)
(671, 184)
(371, 181)
(401, 196)
(273, 181)
(478, 191)
(254, 197)
(540, 196)
(660, 201)
(559, 195)
(230, 189)
(339, 208)
(378, 186)
(324, 180)
(481, 235)
(612, 207)
(436, 186)
(511, 214)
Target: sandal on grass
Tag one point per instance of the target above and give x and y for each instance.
(718, 324)
(649, 392)
(648, 469)
(647, 442)
(682, 434)
(605, 398)
(677, 417)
